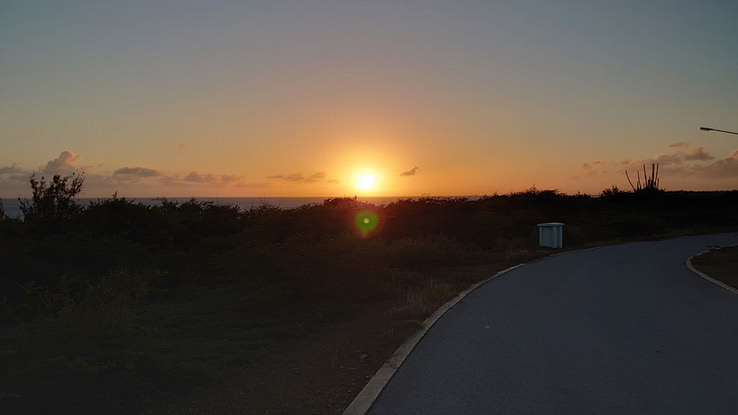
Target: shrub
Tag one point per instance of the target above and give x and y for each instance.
(123, 217)
(52, 203)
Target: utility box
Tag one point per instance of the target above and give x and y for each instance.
(551, 234)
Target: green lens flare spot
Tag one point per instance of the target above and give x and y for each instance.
(366, 221)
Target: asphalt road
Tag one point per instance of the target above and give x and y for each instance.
(624, 329)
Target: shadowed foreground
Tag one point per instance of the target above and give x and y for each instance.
(618, 329)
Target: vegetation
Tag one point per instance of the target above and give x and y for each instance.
(52, 203)
(650, 183)
(141, 304)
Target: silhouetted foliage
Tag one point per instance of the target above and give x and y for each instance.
(125, 271)
(611, 192)
(52, 203)
(124, 218)
(650, 185)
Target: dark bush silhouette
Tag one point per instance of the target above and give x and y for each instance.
(52, 204)
(125, 218)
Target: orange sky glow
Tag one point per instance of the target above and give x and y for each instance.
(304, 98)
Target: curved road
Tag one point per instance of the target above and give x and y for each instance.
(623, 329)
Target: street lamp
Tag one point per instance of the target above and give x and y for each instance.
(715, 129)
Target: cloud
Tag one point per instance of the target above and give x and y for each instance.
(589, 169)
(228, 178)
(246, 184)
(137, 172)
(299, 178)
(295, 177)
(316, 177)
(680, 144)
(334, 181)
(195, 177)
(182, 146)
(410, 172)
(723, 168)
(170, 180)
(14, 168)
(64, 163)
(698, 154)
(677, 163)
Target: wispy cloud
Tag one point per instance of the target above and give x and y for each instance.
(678, 163)
(680, 144)
(195, 177)
(137, 171)
(723, 168)
(253, 185)
(13, 168)
(228, 178)
(317, 176)
(410, 172)
(698, 154)
(299, 177)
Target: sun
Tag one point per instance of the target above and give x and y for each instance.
(366, 182)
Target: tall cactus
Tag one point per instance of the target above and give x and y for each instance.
(650, 184)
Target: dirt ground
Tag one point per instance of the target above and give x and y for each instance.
(721, 264)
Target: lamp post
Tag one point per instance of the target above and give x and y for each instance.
(715, 129)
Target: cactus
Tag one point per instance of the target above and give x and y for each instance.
(650, 184)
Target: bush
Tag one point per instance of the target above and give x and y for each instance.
(123, 217)
(52, 203)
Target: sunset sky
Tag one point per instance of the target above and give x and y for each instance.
(301, 98)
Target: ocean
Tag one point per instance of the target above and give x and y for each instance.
(12, 206)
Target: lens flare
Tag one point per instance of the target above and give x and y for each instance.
(366, 221)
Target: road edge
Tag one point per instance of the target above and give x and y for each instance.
(707, 277)
(371, 391)
(365, 399)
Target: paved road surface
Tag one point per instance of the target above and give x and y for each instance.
(625, 329)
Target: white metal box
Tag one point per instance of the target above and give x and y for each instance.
(551, 234)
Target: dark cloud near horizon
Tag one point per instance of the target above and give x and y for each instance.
(253, 185)
(13, 168)
(410, 172)
(698, 154)
(137, 171)
(227, 178)
(723, 168)
(195, 177)
(679, 163)
(299, 178)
